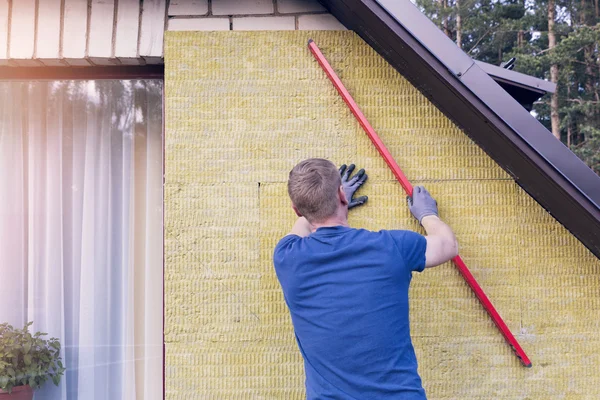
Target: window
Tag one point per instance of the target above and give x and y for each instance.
(81, 229)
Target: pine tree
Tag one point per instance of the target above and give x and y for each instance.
(554, 117)
(557, 40)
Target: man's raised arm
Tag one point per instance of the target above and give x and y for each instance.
(441, 242)
(301, 227)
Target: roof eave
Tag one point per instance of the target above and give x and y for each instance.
(517, 78)
(543, 166)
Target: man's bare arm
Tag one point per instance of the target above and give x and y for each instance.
(441, 242)
(301, 227)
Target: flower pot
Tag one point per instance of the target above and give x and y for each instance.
(18, 393)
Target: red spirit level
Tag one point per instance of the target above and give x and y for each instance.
(462, 268)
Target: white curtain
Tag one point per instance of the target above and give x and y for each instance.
(81, 225)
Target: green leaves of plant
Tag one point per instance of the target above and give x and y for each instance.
(27, 359)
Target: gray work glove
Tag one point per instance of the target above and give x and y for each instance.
(351, 185)
(422, 204)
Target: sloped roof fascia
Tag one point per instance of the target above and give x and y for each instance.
(492, 95)
(542, 165)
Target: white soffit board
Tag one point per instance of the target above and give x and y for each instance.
(128, 24)
(3, 29)
(48, 30)
(101, 29)
(152, 28)
(22, 29)
(75, 29)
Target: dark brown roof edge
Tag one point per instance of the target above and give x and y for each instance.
(83, 73)
(543, 166)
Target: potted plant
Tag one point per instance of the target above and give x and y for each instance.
(26, 362)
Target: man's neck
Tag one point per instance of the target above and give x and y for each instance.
(337, 220)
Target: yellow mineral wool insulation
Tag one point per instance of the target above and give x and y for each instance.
(242, 108)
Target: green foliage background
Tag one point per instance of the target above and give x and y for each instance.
(496, 30)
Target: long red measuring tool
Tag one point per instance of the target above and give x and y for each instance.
(458, 262)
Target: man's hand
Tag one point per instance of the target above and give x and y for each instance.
(351, 185)
(421, 204)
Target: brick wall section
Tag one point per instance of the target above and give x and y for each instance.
(130, 32)
(207, 15)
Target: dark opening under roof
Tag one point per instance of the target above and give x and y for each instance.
(523, 88)
(464, 92)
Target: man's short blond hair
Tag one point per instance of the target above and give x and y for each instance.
(313, 188)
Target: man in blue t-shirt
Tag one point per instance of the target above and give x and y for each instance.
(347, 289)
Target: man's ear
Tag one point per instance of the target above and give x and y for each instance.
(342, 196)
(296, 211)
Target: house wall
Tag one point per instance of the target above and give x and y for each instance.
(130, 32)
(242, 108)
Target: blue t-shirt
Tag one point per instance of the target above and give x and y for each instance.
(347, 291)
